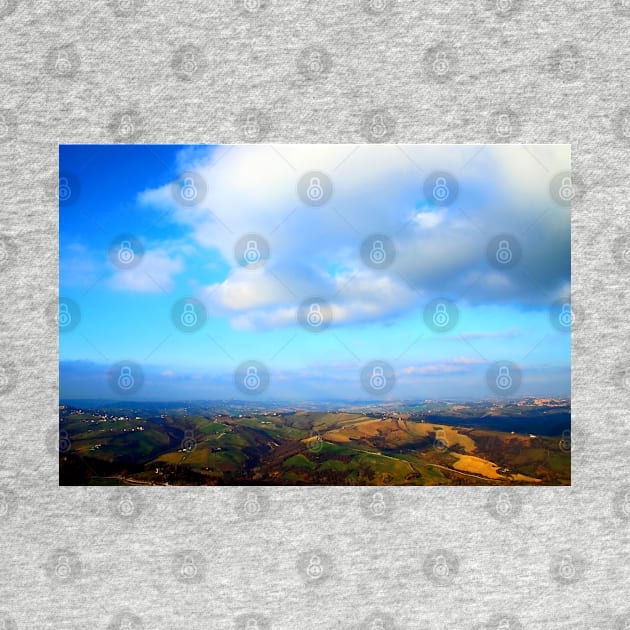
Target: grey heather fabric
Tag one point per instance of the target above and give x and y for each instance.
(314, 72)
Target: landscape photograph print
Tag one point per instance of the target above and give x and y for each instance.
(278, 315)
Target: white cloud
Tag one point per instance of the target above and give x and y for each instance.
(377, 189)
(154, 273)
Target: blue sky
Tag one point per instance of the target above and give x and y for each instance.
(377, 314)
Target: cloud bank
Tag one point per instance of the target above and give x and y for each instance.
(315, 251)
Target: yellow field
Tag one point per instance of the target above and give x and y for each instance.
(398, 432)
(519, 477)
(477, 466)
